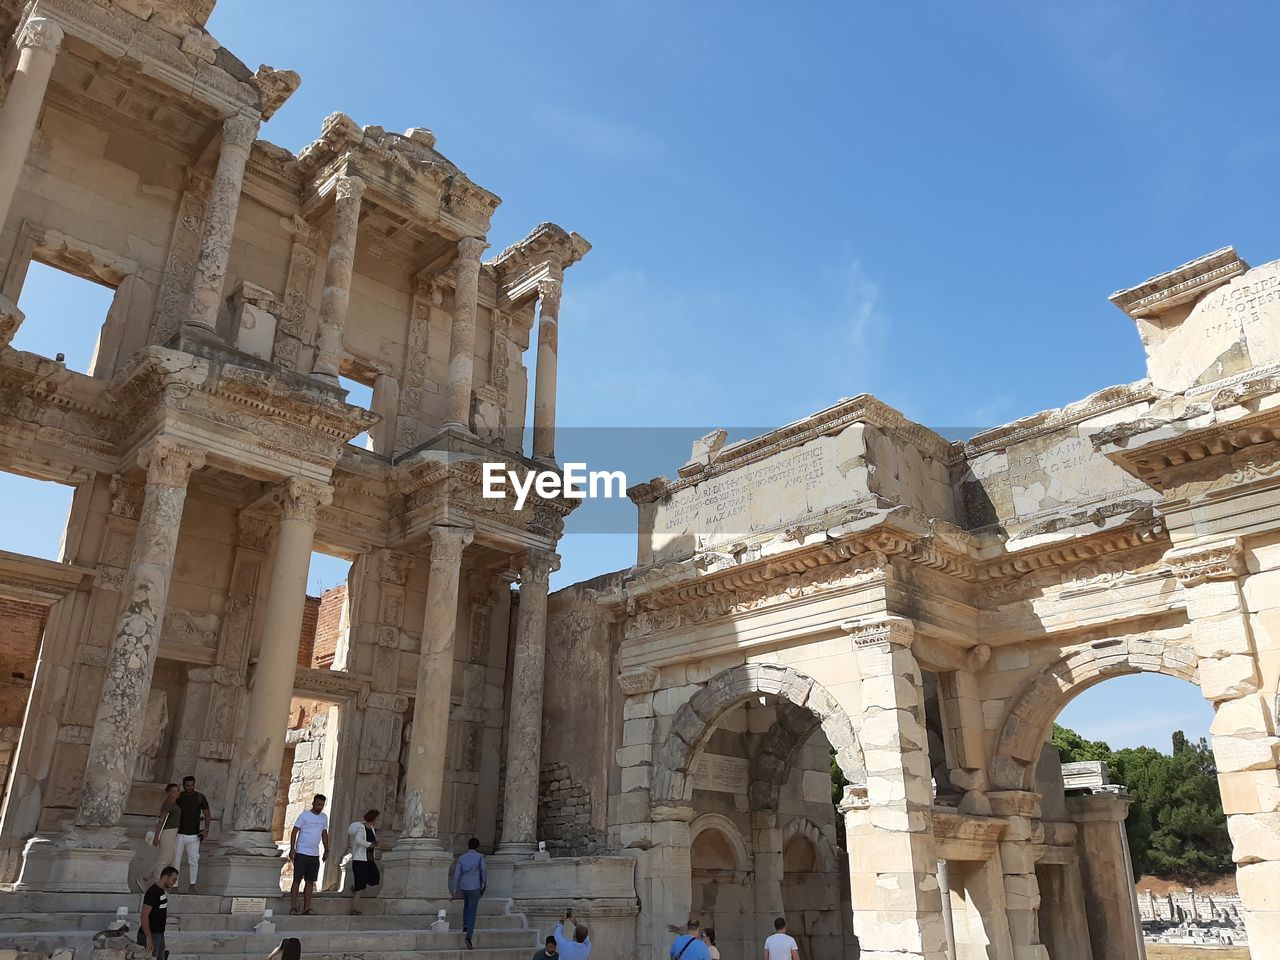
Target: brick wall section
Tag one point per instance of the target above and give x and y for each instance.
(307, 644)
(328, 625)
(21, 626)
(564, 814)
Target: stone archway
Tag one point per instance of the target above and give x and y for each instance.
(1042, 698)
(695, 719)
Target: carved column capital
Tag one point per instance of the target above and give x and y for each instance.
(239, 131)
(886, 631)
(538, 565)
(301, 499)
(636, 682)
(448, 543)
(1201, 562)
(549, 290)
(169, 462)
(470, 249)
(10, 320)
(41, 33)
(349, 188)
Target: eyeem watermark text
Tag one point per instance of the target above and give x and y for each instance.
(576, 482)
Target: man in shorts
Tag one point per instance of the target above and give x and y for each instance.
(310, 831)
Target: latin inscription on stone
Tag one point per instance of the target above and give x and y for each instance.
(765, 495)
(723, 774)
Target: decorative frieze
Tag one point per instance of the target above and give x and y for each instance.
(1219, 560)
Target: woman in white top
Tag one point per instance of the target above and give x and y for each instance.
(709, 935)
(363, 868)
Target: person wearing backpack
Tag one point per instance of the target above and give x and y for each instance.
(690, 945)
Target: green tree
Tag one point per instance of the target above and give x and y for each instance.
(1176, 826)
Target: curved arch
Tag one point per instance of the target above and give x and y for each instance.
(772, 761)
(695, 720)
(806, 828)
(726, 828)
(1040, 700)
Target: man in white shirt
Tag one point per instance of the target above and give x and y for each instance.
(309, 831)
(781, 946)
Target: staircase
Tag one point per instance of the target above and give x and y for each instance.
(203, 928)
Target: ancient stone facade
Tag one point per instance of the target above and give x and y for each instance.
(207, 447)
(931, 606)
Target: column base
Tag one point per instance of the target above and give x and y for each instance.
(69, 863)
(502, 866)
(245, 864)
(418, 868)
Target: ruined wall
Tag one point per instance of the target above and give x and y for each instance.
(21, 626)
(577, 757)
(1039, 476)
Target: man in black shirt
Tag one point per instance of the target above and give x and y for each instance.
(155, 913)
(193, 824)
(548, 952)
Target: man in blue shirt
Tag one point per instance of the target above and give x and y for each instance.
(579, 948)
(690, 946)
(470, 877)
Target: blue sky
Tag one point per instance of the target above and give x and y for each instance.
(794, 203)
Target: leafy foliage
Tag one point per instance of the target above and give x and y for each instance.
(1176, 826)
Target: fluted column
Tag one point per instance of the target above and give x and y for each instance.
(261, 752)
(126, 684)
(37, 49)
(424, 774)
(238, 135)
(462, 345)
(524, 724)
(544, 387)
(337, 277)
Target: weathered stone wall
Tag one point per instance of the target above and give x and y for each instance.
(21, 626)
(581, 671)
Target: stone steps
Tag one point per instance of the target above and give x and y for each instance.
(346, 941)
(479, 953)
(325, 904)
(228, 923)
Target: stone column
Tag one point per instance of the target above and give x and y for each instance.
(664, 879)
(132, 658)
(1025, 832)
(337, 277)
(1246, 747)
(37, 48)
(238, 135)
(424, 777)
(766, 842)
(897, 908)
(262, 750)
(420, 860)
(247, 856)
(524, 725)
(544, 388)
(462, 345)
(386, 401)
(1111, 902)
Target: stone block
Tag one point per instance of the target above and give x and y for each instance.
(641, 754)
(636, 778)
(1236, 753)
(635, 732)
(1255, 837)
(635, 708)
(1246, 715)
(1228, 677)
(1221, 636)
(1259, 885)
